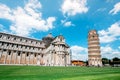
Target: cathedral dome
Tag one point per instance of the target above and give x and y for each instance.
(49, 35)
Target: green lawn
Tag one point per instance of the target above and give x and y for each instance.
(58, 73)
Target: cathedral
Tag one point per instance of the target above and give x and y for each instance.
(18, 50)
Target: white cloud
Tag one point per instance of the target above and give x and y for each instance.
(25, 20)
(101, 9)
(73, 7)
(79, 53)
(119, 47)
(116, 9)
(5, 12)
(67, 23)
(108, 52)
(111, 34)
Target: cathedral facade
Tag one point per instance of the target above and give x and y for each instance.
(18, 50)
(94, 53)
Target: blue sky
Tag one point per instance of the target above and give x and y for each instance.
(71, 18)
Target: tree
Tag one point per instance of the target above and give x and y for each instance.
(115, 61)
(105, 61)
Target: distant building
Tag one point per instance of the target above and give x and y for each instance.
(18, 50)
(78, 63)
(94, 56)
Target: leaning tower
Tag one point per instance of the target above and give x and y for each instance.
(94, 56)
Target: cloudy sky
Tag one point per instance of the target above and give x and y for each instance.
(71, 18)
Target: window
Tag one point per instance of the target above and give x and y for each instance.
(14, 38)
(8, 44)
(9, 52)
(2, 43)
(8, 37)
(93, 36)
(19, 53)
(12, 45)
(20, 39)
(17, 46)
(42, 55)
(25, 47)
(0, 36)
(27, 54)
(35, 55)
(60, 39)
(4, 49)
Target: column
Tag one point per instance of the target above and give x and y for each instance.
(38, 59)
(34, 59)
(3, 56)
(18, 57)
(42, 60)
(27, 57)
(13, 57)
(66, 60)
(1, 51)
(22, 58)
(50, 59)
(31, 58)
(55, 55)
(8, 57)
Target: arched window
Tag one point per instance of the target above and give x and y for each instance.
(2, 43)
(27, 54)
(15, 38)
(19, 53)
(7, 44)
(60, 39)
(8, 37)
(42, 55)
(20, 39)
(0, 36)
(4, 49)
(35, 55)
(9, 53)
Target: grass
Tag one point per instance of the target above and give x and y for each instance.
(58, 73)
